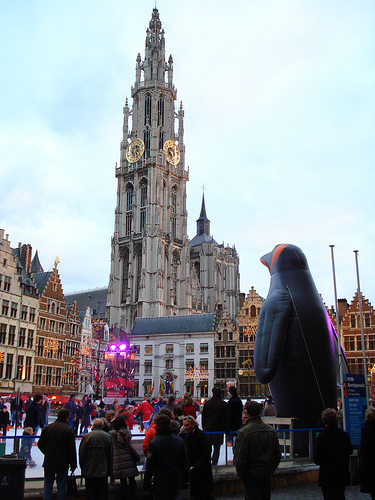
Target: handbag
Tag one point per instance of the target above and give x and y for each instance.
(71, 485)
(357, 472)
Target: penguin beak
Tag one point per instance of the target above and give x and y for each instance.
(267, 259)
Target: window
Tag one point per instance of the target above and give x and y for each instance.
(367, 320)
(60, 350)
(203, 347)
(38, 375)
(148, 110)
(148, 367)
(189, 348)
(189, 364)
(24, 313)
(219, 336)
(30, 339)
(136, 367)
(230, 335)
(58, 377)
(371, 342)
(7, 281)
(148, 349)
(129, 209)
(49, 376)
(11, 335)
(169, 349)
(28, 368)
(5, 308)
(42, 323)
(349, 343)
(137, 349)
(22, 338)
(169, 364)
(40, 347)
(9, 366)
(161, 111)
(19, 367)
(146, 136)
(3, 332)
(13, 310)
(52, 325)
(61, 327)
(32, 314)
(225, 335)
(57, 308)
(143, 204)
(359, 344)
(352, 321)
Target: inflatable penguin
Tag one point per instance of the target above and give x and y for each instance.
(295, 341)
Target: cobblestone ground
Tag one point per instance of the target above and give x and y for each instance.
(306, 492)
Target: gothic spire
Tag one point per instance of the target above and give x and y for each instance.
(203, 224)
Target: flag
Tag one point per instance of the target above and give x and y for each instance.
(96, 376)
(153, 387)
(161, 388)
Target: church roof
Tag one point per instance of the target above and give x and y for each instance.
(202, 238)
(194, 323)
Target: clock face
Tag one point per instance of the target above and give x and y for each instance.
(135, 150)
(171, 152)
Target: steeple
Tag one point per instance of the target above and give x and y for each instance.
(203, 224)
(154, 64)
(36, 266)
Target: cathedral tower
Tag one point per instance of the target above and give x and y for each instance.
(150, 266)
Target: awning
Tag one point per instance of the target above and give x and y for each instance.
(202, 383)
(146, 382)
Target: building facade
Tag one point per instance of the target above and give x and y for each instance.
(173, 355)
(19, 305)
(155, 271)
(247, 322)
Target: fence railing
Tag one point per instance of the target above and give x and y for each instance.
(288, 438)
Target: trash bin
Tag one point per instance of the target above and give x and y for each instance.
(12, 477)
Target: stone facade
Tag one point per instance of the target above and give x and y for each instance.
(19, 306)
(247, 322)
(155, 272)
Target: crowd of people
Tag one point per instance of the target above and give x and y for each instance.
(182, 441)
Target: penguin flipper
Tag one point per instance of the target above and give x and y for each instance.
(274, 317)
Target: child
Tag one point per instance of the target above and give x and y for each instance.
(26, 444)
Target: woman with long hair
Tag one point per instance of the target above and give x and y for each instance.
(187, 406)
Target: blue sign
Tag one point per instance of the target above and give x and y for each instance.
(355, 405)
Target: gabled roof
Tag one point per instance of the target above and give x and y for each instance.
(194, 323)
(41, 280)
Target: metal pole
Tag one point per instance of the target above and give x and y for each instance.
(361, 322)
(338, 343)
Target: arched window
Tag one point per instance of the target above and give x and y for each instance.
(174, 211)
(148, 110)
(253, 311)
(146, 137)
(143, 204)
(129, 209)
(161, 111)
(125, 276)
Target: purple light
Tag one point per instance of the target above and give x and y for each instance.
(122, 347)
(113, 347)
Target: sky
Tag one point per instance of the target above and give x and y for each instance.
(279, 104)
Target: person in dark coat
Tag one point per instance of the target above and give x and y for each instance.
(235, 408)
(124, 463)
(4, 419)
(332, 453)
(72, 407)
(33, 415)
(214, 419)
(367, 453)
(57, 443)
(87, 409)
(95, 459)
(167, 462)
(198, 449)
